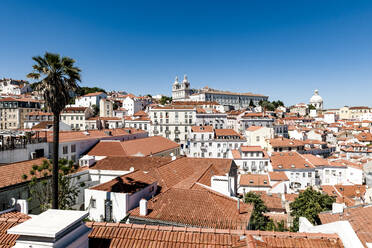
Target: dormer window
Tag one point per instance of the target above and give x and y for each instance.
(280, 166)
(250, 181)
(265, 182)
(293, 166)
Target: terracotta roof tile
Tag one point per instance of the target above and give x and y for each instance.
(197, 207)
(126, 163)
(129, 235)
(128, 183)
(144, 147)
(359, 217)
(7, 221)
(202, 129)
(278, 176)
(254, 180)
(283, 142)
(11, 174)
(289, 160)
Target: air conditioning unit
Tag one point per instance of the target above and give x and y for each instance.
(33, 155)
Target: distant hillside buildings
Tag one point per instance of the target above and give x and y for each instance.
(183, 92)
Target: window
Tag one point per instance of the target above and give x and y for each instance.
(257, 138)
(92, 203)
(65, 149)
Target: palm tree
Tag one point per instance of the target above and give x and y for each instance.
(57, 79)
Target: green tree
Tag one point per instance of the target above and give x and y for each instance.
(266, 105)
(57, 78)
(258, 220)
(164, 100)
(115, 106)
(309, 204)
(86, 90)
(311, 107)
(40, 184)
(277, 103)
(95, 110)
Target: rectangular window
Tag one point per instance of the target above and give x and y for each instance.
(73, 148)
(65, 149)
(92, 203)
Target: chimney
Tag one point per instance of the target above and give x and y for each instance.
(22, 206)
(238, 206)
(173, 156)
(143, 207)
(337, 208)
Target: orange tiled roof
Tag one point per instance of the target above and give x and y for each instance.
(364, 137)
(74, 109)
(253, 128)
(128, 183)
(359, 217)
(202, 129)
(68, 136)
(43, 125)
(185, 172)
(39, 113)
(289, 160)
(345, 193)
(283, 142)
(132, 235)
(278, 176)
(140, 113)
(93, 94)
(126, 163)
(7, 221)
(145, 146)
(11, 174)
(254, 180)
(251, 149)
(197, 207)
(273, 202)
(226, 132)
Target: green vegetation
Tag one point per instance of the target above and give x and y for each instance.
(95, 110)
(270, 106)
(258, 220)
(309, 204)
(41, 189)
(311, 107)
(56, 78)
(165, 99)
(86, 90)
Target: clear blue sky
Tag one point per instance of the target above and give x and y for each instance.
(284, 49)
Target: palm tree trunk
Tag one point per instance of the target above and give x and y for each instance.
(55, 162)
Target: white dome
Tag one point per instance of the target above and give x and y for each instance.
(316, 98)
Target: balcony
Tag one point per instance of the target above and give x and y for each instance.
(167, 131)
(177, 132)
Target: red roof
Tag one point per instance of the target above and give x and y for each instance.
(197, 207)
(93, 94)
(145, 147)
(202, 129)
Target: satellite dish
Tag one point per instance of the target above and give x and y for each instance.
(12, 201)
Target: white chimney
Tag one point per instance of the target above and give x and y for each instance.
(22, 206)
(337, 208)
(143, 207)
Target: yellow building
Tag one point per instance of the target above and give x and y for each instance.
(13, 111)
